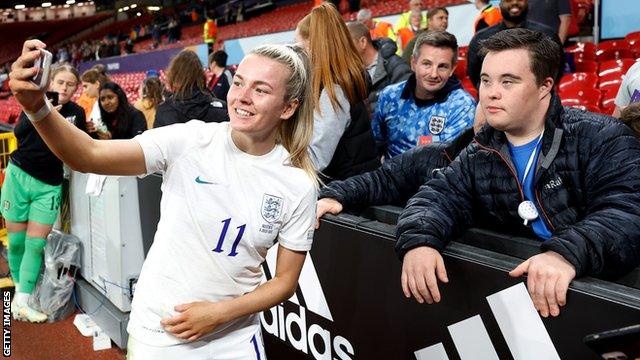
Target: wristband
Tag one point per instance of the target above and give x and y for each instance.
(40, 114)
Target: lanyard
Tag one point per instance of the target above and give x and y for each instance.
(531, 157)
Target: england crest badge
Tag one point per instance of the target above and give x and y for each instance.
(271, 208)
(436, 124)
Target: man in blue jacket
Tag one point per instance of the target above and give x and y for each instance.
(430, 106)
(569, 177)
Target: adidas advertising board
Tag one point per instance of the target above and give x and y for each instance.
(306, 328)
(349, 305)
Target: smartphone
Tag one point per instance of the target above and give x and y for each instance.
(43, 64)
(618, 344)
(53, 97)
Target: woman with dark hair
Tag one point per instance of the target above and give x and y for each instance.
(189, 98)
(121, 120)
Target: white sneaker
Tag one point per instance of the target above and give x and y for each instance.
(14, 307)
(26, 313)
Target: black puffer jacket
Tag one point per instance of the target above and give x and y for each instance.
(398, 178)
(199, 105)
(587, 185)
(390, 69)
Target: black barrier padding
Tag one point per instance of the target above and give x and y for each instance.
(360, 276)
(515, 246)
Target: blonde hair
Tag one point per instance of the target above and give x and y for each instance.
(335, 59)
(296, 133)
(66, 68)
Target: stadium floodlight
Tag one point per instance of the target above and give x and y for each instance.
(66, 6)
(46, 4)
(71, 2)
(153, 8)
(133, 6)
(19, 7)
(126, 8)
(138, 14)
(120, 10)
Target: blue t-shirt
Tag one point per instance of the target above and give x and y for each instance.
(520, 156)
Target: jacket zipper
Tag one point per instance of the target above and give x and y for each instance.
(538, 202)
(542, 209)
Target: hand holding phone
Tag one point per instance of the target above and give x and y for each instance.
(53, 97)
(43, 64)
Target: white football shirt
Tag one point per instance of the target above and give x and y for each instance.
(221, 210)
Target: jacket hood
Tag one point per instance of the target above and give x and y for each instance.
(195, 106)
(386, 47)
(441, 95)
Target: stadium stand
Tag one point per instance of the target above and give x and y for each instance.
(51, 31)
(599, 68)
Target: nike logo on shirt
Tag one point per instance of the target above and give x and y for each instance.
(200, 181)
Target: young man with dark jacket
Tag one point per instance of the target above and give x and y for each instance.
(569, 177)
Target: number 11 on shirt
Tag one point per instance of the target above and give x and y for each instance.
(223, 235)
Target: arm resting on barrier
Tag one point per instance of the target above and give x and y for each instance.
(200, 318)
(398, 178)
(392, 183)
(435, 215)
(440, 211)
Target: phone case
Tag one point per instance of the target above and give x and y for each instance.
(43, 63)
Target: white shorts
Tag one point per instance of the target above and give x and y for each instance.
(242, 344)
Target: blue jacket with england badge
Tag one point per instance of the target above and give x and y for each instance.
(586, 189)
(400, 120)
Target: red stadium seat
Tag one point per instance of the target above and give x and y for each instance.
(468, 86)
(613, 49)
(590, 66)
(608, 105)
(610, 90)
(633, 39)
(583, 96)
(461, 68)
(462, 51)
(614, 77)
(581, 79)
(587, 107)
(582, 51)
(611, 66)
